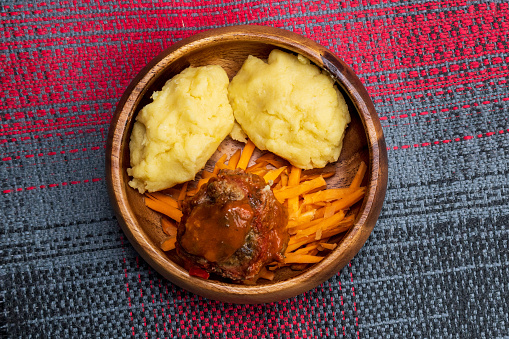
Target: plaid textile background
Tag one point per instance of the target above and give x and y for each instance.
(436, 264)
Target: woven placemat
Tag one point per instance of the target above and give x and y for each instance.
(437, 262)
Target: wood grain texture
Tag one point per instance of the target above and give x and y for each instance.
(229, 47)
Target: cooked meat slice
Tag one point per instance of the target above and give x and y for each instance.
(233, 226)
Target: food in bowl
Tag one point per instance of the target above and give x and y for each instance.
(233, 226)
(291, 108)
(229, 47)
(317, 216)
(175, 134)
(232, 222)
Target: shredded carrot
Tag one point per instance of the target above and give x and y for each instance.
(329, 211)
(316, 214)
(318, 234)
(260, 172)
(275, 163)
(169, 227)
(257, 166)
(361, 171)
(327, 195)
(296, 243)
(293, 203)
(327, 246)
(307, 249)
(284, 179)
(325, 223)
(247, 152)
(234, 160)
(325, 175)
(302, 258)
(161, 207)
(349, 200)
(306, 225)
(272, 175)
(164, 198)
(266, 274)
(295, 191)
(219, 164)
(168, 244)
(294, 178)
(182, 194)
(302, 219)
(276, 186)
(265, 157)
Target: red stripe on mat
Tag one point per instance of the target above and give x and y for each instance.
(354, 301)
(72, 151)
(30, 188)
(446, 141)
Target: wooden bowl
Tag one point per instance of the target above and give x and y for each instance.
(229, 47)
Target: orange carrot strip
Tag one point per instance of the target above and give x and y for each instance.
(349, 200)
(163, 208)
(222, 166)
(182, 193)
(294, 191)
(303, 226)
(277, 186)
(294, 178)
(266, 274)
(234, 160)
(344, 226)
(275, 163)
(273, 174)
(301, 267)
(329, 211)
(293, 203)
(256, 166)
(261, 172)
(327, 195)
(313, 176)
(356, 182)
(328, 246)
(207, 174)
(247, 152)
(169, 227)
(319, 212)
(324, 224)
(164, 198)
(168, 244)
(318, 234)
(301, 259)
(202, 182)
(219, 162)
(192, 192)
(302, 219)
(303, 241)
(306, 249)
(265, 157)
(284, 179)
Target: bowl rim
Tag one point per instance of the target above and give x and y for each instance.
(367, 215)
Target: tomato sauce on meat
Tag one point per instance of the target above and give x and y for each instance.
(233, 226)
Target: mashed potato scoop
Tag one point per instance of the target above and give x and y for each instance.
(175, 135)
(291, 108)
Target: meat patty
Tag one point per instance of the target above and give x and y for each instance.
(233, 226)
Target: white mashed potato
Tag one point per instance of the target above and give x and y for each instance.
(289, 107)
(175, 135)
